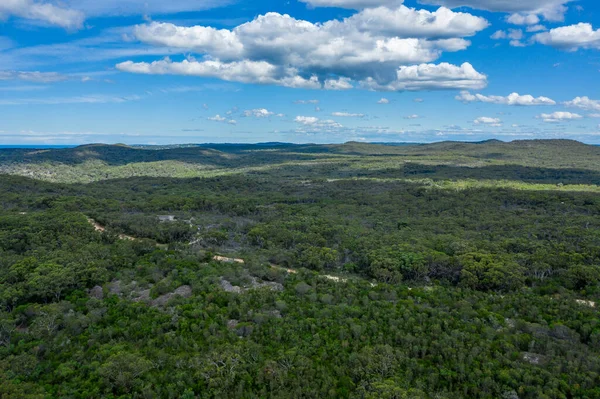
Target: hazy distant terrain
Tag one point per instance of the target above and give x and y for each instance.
(544, 161)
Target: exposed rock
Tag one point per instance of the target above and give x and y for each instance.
(274, 313)
(97, 292)
(115, 288)
(184, 291)
(231, 324)
(227, 286)
(254, 283)
(591, 304)
(142, 296)
(510, 395)
(269, 284)
(534, 358)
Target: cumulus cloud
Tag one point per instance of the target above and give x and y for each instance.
(514, 35)
(258, 113)
(499, 34)
(536, 28)
(347, 115)
(511, 99)
(559, 117)
(383, 101)
(313, 122)
(306, 120)
(371, 36)
(523, 19)
(485, 120)
(306, 102)
(353, 4)
(431, 77)
(366, 49)
(409, 22)
(552, 10)
(259, 72)
(571, 37)
(584, 103)
(338, 84)
(37, 77)
(219, 118)
(414, 116)
(42, 11)
(141, 7)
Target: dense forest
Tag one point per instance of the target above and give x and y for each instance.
(441, 271)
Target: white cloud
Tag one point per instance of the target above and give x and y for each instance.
(141, 7)
(383, 101)
(414, 116)
(37, 77)
(353, 4)
(338, 84)
(259, 72)
(369, 46)
(418, 100)
(499, 34)
(217, 118)
(485, 120)
(559, 117)
(347, 115)
(409, 22)
(552, 10)
(514, 35)
(258, 113)
(372, 36)
(536, 28)
(584, 103)
(306, 102)
(316, 123)
(523, 19)
(431, 77)
(511, 99)
(306, 120)
(42, 11)
(571, 37)
(89, 99)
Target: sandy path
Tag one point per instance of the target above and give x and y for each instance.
(98, 227)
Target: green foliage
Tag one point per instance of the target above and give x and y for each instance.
(364, 275)
(392, 265)
(489, 272)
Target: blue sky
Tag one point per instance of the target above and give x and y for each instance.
(324, 71)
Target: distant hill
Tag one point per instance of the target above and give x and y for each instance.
(537, 160)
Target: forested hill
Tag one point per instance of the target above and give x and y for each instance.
(521, 160)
